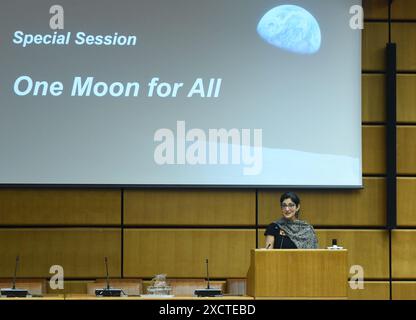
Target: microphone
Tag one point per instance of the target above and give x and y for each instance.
(206, 261)
(335, 245)
(208, 292)
(13, 292)
(16, 265)
(108, 291)
(106, 269)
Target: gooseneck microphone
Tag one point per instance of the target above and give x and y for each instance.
(108, 291)
(206, 261)
(106, 269)
(208, 292)
(16, 265)
(13, 292)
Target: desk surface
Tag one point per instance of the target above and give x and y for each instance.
(45, 297)
(91, 297)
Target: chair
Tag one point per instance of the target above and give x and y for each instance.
(131, 287)
(187, 287)
(237, 287)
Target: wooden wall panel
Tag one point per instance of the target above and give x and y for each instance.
(375, 37)
(374, 149)
(368, 248)
(406, 98)
(375, 9)
(80, 252)
(364, 248)
(403, 9)
(261, 238)
(373, 98)
(364, 207)
(404, 290)
(404, 34)
(406, 146)
(404, 254)
(373, 290)
(60, 207)
(182, 252)
(190, 207)
(406, 202)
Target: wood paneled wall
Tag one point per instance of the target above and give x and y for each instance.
(375, 37)
(80, 251)
(190, 207)
(373, 290)
(181, 253)
(150, 231)
(373, 98)
(59, 207)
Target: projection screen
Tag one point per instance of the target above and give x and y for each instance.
(180, 93)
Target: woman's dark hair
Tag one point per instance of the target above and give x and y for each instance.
(290, 195)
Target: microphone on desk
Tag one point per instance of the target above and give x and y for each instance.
(106, 269)
(13, 292)
(208, 292)
(206, 261)
(16, 265)
(334, 245)
(108, 291)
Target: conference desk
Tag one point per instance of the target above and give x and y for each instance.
(45, 297)
(87, 297)
(91, 297)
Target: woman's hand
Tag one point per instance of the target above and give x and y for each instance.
(269, 242)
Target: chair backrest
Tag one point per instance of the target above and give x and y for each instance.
(132, 287)
(33, 286)
(185, 287)
(237, 287)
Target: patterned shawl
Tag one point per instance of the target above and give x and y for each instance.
(300, 232)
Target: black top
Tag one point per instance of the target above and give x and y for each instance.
(281, 240)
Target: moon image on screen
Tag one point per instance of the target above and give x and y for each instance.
(290, 28)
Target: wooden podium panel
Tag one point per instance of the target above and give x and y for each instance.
(296, 273)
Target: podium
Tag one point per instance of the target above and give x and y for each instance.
(298, 274)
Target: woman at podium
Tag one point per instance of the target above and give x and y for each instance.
(289, 232)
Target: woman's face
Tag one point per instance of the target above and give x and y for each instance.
(289, 209)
